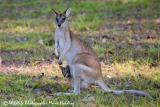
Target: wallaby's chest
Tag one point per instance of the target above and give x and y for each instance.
(60, 37)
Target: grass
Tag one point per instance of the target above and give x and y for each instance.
(12, 87)
(123, 33)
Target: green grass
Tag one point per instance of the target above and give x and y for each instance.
(15, 88)
(137, 60)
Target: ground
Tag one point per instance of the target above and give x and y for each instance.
(125, 34)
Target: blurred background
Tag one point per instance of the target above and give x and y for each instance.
(125, 35)
(117, 29)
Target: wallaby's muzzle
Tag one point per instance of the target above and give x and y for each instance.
(59, 25)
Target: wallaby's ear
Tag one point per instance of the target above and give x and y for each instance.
(67, 12)
(54, 12)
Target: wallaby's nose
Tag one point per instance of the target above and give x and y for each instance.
(59, 25)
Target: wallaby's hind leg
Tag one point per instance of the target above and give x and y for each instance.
(76, 86)
(84, 85)
(103, 86)
(76, 78)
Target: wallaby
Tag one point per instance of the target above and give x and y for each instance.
(66, 72)
(84, 65)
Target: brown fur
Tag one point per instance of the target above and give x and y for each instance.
(84, 64)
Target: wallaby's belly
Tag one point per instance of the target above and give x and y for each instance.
(70, 55)
(61, 44)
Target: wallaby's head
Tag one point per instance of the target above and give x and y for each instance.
(61, 19)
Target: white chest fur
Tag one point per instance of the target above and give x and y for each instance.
(60, 38)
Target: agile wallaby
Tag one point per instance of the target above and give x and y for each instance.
(85, 67)
(66, 72)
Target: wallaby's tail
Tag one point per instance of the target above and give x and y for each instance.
(104, 87)
(134, 92)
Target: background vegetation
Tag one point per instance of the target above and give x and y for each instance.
(125, 34)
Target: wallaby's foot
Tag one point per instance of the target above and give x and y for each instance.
(63, 93)
(70, 90)
(76, 92)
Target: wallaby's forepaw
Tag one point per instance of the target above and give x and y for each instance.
(60, 62)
